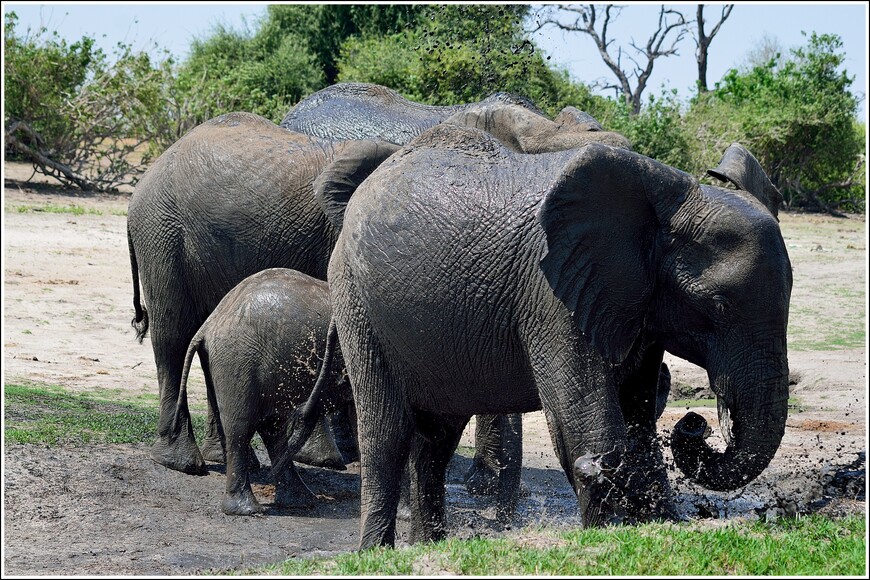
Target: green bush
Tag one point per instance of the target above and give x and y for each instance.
(658, 131)
(798, 117)
(77, 116)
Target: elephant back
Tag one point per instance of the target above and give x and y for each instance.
(364, 111)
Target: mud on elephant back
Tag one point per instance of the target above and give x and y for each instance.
(560, 289)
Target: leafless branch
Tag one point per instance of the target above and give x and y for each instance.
(590, 20)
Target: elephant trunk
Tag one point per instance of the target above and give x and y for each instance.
(758, 414)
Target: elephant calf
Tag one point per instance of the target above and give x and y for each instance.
(259, 352)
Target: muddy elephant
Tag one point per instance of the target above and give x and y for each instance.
(260, 350)
(469, 279)
(234, 196)
(362, 110)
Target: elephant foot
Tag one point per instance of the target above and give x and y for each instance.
(180, 454)
(614, 491)
(320, 450)
(597, 493)
(242, 504)
(213, 450)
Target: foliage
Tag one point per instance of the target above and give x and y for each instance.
(798, 117)
(230, 71)
(806, 545)
(76, 116)
(96, 123)
(658, 131)
(460, 54)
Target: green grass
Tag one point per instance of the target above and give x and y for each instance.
(810, 546)
(47, 415)
(51, 208)
(64, 209)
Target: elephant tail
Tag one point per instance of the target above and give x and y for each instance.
(181, 405)
(304, 418)
(140, 320)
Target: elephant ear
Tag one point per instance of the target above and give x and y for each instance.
(601, 219)
(353, 162)
(742, 169)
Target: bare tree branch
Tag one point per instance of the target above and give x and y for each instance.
(703, 40)
(585, 19)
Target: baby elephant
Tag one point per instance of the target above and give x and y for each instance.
(259, 353)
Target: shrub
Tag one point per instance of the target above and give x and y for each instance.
(75, 115)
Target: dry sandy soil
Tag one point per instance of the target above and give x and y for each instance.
(110, 510)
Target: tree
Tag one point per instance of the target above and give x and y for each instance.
(797, 116)
(76, 116)
(230, 71)
(589, 19)
(703, 40)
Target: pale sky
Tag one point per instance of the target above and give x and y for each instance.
(172, 25)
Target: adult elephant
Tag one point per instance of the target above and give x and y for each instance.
(363, 110)
(468, 279)
(234, 196)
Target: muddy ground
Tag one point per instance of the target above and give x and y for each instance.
(110, 510)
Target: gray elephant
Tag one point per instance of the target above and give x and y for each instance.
(362, 110)
(259, 350)
(468, 279)
(234, 196)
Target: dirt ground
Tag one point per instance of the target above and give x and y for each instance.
(110, 510)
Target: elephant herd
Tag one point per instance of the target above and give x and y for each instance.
(481, 260)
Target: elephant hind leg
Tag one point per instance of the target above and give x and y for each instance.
(498, 454)
(174, 448)
(239, 499)
(385, 433)
(430, 453)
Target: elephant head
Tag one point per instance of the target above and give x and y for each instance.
(525, 131)
(640, 251)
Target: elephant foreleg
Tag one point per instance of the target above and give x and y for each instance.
(642, 396)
